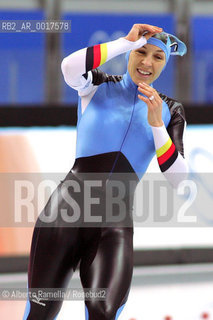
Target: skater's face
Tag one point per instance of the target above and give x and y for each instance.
(146, 64)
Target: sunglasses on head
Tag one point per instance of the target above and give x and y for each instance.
(177, 46)
(163, 36)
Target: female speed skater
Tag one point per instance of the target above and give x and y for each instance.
(122, 123)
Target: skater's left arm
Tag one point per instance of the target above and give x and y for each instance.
(168, 141)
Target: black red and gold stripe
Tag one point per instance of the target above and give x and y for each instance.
(96, 56)
(166, 155)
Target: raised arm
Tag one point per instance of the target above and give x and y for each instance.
(77, 66)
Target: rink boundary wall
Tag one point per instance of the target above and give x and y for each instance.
(44, 115)
(14, 264)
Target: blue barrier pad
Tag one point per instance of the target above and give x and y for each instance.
(202, 59)
(22, 61)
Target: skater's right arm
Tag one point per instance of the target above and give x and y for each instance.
(76, 67)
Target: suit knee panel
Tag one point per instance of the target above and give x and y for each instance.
(101, 310)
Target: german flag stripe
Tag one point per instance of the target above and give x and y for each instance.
(169, 162)
(166, 155)
(103, 53)
(89, 59)
(96, 56)
(164, 148)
